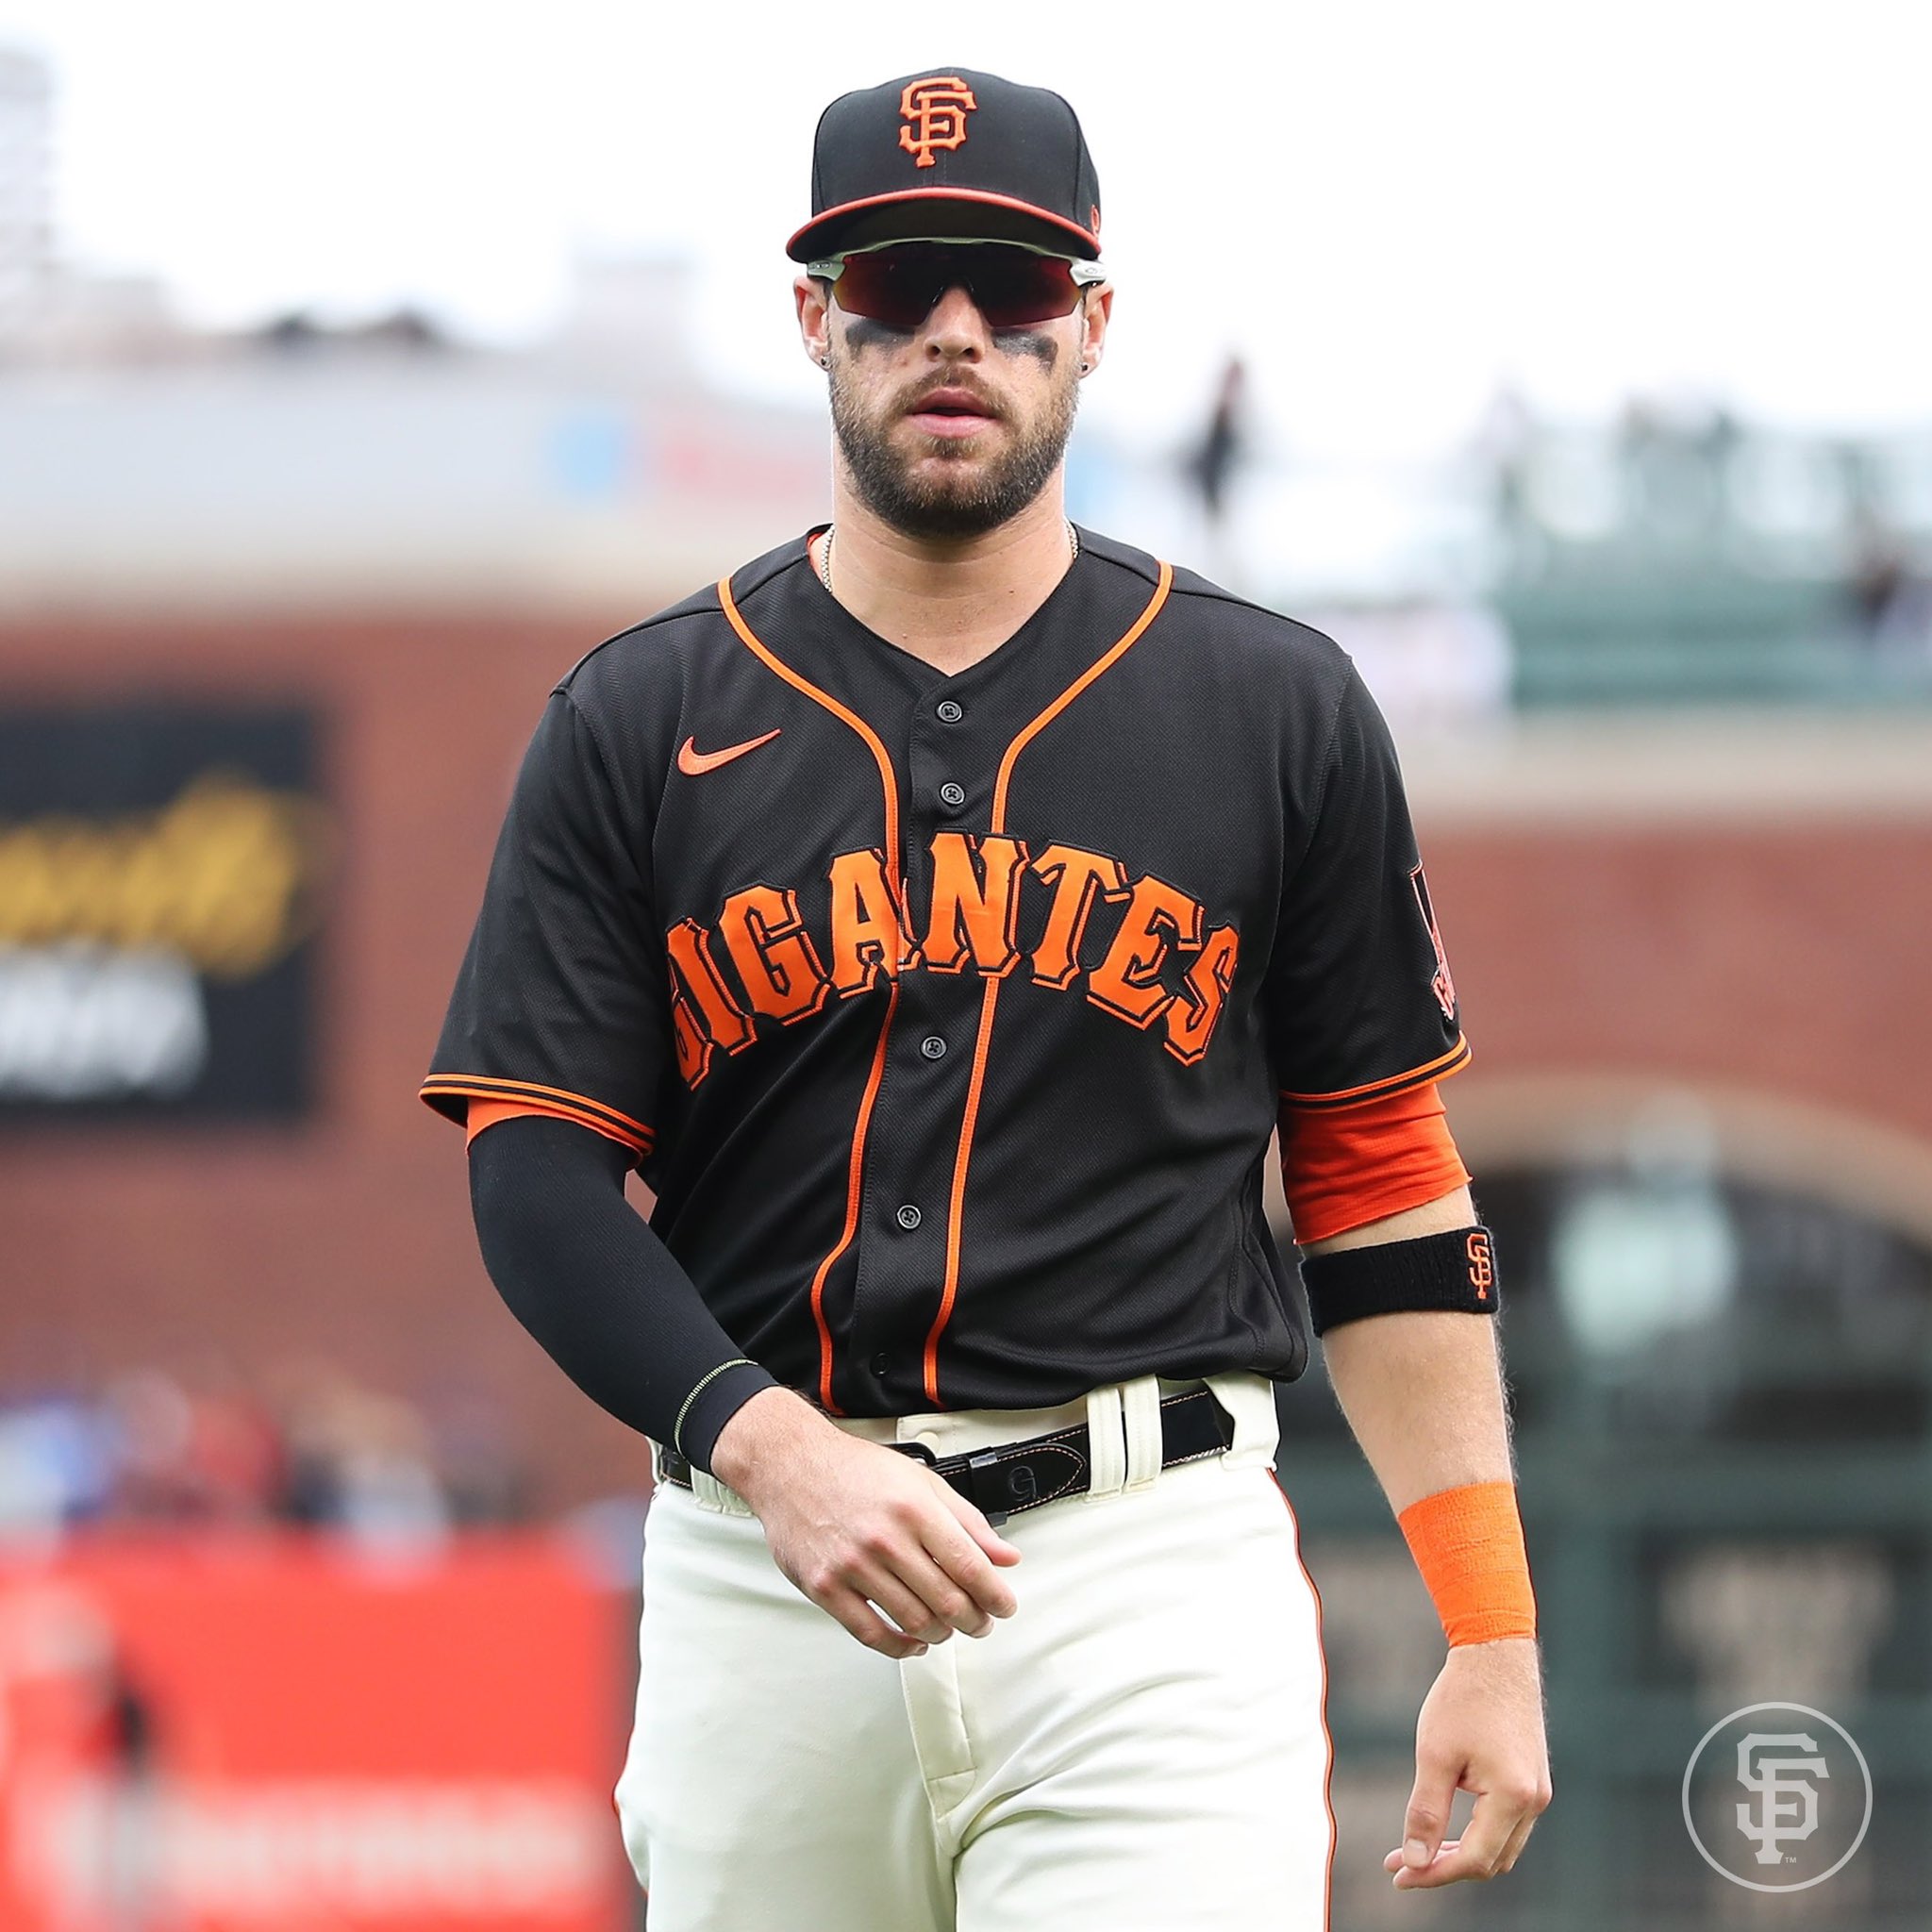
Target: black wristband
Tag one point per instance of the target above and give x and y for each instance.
(1455, 1269)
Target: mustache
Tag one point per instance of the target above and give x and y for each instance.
(914, 399)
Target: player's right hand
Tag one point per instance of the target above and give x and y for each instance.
(862, 1529)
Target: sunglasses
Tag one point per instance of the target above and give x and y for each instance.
(1013, 287)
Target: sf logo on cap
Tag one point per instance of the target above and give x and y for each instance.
(935, 114)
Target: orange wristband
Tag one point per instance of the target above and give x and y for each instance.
(1468, 1545)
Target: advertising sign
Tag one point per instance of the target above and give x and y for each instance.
(162, 875)
(267, 1735)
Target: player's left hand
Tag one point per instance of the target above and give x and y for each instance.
(1481, 1730)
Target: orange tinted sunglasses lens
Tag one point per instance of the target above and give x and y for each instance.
(1012, 288)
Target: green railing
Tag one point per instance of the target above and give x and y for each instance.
(1625, 1517)
(1637, 629)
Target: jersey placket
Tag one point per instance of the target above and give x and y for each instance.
(958, 771)
(908, 1176)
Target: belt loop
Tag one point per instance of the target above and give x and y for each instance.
(712, 1494)
(1107, 1440)
(1250, 1400)
(1141, 1415)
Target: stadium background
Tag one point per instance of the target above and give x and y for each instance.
(315, 1578)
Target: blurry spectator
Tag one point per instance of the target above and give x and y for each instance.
(1211, 465)
(297, 332)
(128, 1877)
(1504, 440)
(182, 1458)
(315, 1449)
(150, 1426)
(359, 1461)
(54, 1466)
(1673, 467)
(1213, 461)
(1892, 606)
(482, 1480)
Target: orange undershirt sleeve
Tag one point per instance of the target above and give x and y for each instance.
(1345, 1166)
(486, 1114)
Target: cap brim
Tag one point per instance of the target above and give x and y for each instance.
(915, 214)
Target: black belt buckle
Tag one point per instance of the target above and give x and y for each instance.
(989, 1463)
(964, 1473)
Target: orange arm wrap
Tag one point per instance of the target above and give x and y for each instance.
(1468, 1545)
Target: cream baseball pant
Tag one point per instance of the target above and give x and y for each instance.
(1142, 1747)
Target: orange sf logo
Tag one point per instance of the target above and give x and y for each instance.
(1482, 1268)
(935, 114)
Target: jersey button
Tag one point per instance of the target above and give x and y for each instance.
(947, 711)
(933, 1047)
(909, 1217)
(951, 795)
(880, 1363)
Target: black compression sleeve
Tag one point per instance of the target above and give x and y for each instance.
(581, 1269)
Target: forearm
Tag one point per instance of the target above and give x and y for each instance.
(601, 1294)
(1422, 1390)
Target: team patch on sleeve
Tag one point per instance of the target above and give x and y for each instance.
(1442, 984)
(1360, 1002)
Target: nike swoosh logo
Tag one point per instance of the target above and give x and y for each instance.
(691, 760)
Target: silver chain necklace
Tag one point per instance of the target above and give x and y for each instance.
(826, 551)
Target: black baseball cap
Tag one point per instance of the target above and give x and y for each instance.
(955, 155)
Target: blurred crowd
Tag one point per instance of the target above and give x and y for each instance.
(308, 1447)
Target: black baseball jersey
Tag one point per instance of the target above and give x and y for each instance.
(949, 1016)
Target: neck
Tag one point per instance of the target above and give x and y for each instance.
(951, 601)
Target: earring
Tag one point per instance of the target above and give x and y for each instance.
(1086, 369)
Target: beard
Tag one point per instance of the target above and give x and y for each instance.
(966, 496)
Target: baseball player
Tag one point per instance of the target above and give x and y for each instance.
(941, 912)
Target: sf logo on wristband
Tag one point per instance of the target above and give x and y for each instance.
(1482, 1264)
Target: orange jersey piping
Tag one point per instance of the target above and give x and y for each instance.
(956, 1211)
(891, 785)
(781, 668)
(1093, 671)
(607, 1119)
(854, 1179)
(1439, 1069)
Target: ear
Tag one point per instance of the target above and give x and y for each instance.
(813, 303)
(1096, 311)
